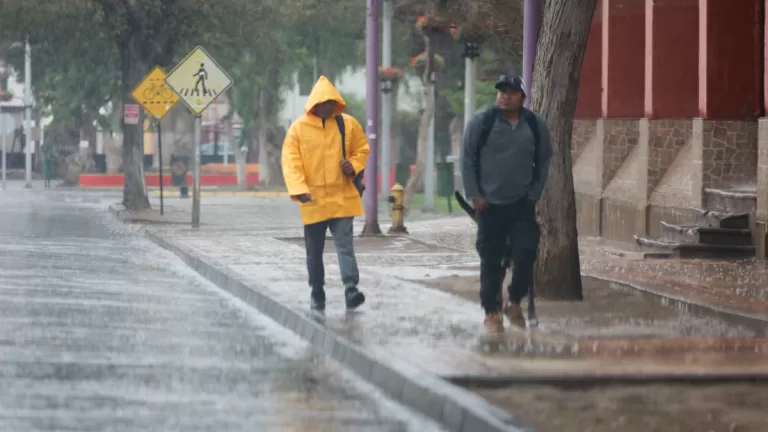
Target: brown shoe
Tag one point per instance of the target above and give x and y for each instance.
(493, 323)
(514, 314)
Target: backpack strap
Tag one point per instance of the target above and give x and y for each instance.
(488, 120)
(358, 180)
(533, 125)
(343, 132)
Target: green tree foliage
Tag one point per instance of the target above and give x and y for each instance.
(87, 52)
(486, 92)
(355, 107)
(333, 32)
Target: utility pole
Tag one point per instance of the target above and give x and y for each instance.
(371, 195)
(429, 170)
(6, 123)
(470, 82)
(28, 112)
(471, 53)
(386, 104)
(196, 176)
(531, 27)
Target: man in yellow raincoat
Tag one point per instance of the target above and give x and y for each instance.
(320, 179)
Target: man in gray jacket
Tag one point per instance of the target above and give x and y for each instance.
(505, 164)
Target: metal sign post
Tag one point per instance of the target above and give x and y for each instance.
(198, 80)
(196, 176)
(6, 122)
(160, 156)
(28, 141)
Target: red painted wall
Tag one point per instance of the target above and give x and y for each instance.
(675, 59)
(734, 59)
(590, 80)
(117, 180)
(626, 58)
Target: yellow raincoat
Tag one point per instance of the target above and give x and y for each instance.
(312, 159)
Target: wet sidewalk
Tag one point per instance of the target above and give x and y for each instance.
(732, 287)
(259, 242)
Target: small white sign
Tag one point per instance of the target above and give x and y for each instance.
(84, 144)
(131, 114)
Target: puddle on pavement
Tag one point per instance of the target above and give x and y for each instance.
(737, 407)
(378, 245)
(605, 313)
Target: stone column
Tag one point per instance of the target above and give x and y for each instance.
(761, 215)
(760, 234)
(697, 164)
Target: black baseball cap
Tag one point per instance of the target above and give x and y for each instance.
(513, 82)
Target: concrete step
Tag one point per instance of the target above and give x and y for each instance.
(718, 219)
(742, 200)
(706, 251)
(694, 234)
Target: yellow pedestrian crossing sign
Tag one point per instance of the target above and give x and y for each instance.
(154, 95)
(198, 80)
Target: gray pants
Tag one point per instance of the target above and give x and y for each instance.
(343, 238)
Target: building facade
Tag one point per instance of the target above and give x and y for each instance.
(671, 117)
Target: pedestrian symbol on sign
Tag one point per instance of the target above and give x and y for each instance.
(201, 75)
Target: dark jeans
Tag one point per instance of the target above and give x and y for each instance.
(505, 230)
(343, 238)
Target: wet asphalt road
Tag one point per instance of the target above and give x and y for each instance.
(100, 330)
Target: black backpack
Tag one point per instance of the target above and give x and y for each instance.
(358, 180)
(489, 118)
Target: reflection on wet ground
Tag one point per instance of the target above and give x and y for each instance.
(101, 330)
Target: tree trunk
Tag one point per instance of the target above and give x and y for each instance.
(241, 171)
(241, 164)
(395, 133)
(416, 182)
(268, 150)
(261, 137)
(561, 47)
(38, 153)
(113, 141)
(133, 70)
(325, 70)
(178, 133)
(456, 130)
(275, 138)
(88, 132)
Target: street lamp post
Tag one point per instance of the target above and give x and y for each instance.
(531, 27)
(386, 102)
(429, 171)
(471, 53)
(28, 142)
(371, 197)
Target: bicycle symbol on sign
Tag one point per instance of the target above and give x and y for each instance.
(160, 91)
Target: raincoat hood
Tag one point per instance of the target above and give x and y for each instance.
(324, 91)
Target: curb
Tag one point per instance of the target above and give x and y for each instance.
(584, 381)
(753, 322)
(454, 408)
(123, 216)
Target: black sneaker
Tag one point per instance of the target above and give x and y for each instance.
(317, 302)
(354, 298)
